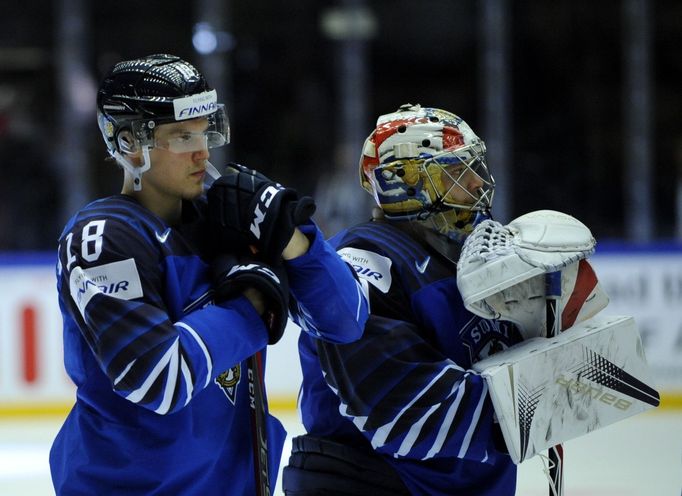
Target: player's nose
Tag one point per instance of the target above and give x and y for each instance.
(472, 181)
(201, 154)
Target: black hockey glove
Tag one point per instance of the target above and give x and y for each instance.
(245, 208)
(231, 277)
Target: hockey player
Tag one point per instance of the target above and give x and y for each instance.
(400, 411)
(159, 319)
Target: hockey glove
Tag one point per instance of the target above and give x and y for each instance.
(231, 277)
(245, 208)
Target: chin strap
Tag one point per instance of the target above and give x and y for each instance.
(132, 169)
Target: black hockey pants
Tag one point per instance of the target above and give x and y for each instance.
(319, 467)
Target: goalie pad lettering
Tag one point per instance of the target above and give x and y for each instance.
(549, 390)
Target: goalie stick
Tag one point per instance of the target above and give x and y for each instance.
(555, 453)
(258, 425)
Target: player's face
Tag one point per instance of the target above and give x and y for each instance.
(178, 175)
(461, 183)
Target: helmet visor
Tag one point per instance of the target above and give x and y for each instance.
(186, 141)
(186, 136)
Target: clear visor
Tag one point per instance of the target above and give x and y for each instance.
(187, 136)
(191, 142)
(460, 178)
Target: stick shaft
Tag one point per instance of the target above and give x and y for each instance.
(258, 425)
(555, 453)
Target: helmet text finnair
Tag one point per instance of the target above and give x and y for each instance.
(198, 111)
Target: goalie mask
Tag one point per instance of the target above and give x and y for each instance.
(138, 95)
(425, 163)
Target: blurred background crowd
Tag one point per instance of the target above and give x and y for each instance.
(578, 101)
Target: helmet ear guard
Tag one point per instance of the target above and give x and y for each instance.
(127, 144)
(134, 170)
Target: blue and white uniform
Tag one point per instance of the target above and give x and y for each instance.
(162, 402)
(405, 390)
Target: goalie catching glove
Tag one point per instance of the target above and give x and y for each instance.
(231, 277)
(501, 270)
(245, 208)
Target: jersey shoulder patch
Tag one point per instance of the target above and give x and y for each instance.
(370, 266)
(118, 279)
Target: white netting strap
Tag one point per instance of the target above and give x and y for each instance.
(547, 465)
(490, 240)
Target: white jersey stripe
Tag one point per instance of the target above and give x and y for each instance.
(359, 422)
(474, 423)
(187, 376)
(447, 423)
(381, 434)
(414, 432)
(139, 393)
(125, 371)
(171, 380)
(202, 345)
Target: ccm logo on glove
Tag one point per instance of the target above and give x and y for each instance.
(232, 276)
(254, 267)
(250, 214)
(264, 202)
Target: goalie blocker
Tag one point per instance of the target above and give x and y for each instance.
(547, 391)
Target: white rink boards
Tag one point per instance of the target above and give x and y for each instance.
(644, 284)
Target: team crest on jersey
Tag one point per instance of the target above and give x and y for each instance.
(228, 382)
(483, 338)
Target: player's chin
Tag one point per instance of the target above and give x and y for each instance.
(193, 192)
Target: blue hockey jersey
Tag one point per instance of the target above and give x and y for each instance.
(162, 402)
(405, 390)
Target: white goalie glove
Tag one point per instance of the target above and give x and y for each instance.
(501, 271)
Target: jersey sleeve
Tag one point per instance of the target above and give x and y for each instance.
(406, 398)
(330, 302)
(381, 256)
(111, 281)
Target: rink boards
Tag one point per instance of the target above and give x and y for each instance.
(643, 282)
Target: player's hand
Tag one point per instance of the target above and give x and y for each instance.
(266, 287)
(245, 208)
(256, 299)
(298, 245)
